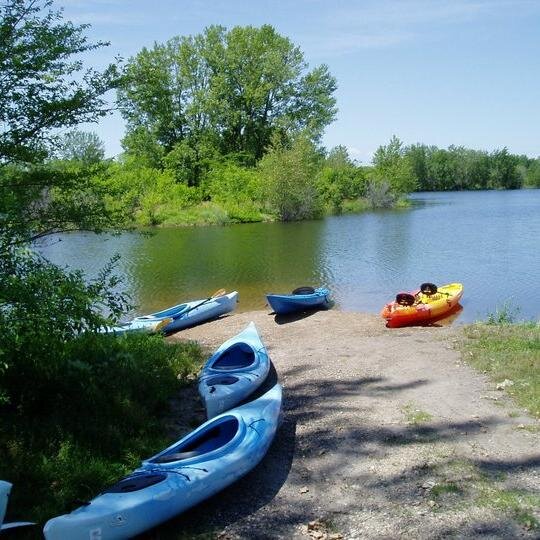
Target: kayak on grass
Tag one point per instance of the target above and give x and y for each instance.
(427, 304)
(196, 467)
(234, 371)
(180, 316)
(301, 299)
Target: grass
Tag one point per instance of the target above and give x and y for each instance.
(415, 416)
(98, 416)
(463, 484)
(508, 352)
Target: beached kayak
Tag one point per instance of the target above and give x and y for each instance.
(180, 316)
(5, 490)
(418, 307)
(233, 372)
(302, 299)
(204, 462)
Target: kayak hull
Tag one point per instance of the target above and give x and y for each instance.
(247, 433)
(431, 309)
(196, 314)
(233, 372)
(283, 304)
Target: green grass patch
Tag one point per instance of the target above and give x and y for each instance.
(445, 488)
(508, 352)
(414, 415)
(90, 421)
(517, 503)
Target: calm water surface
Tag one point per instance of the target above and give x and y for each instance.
(489, 241)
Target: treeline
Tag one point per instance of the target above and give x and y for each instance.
(459, 168)
(225, 126)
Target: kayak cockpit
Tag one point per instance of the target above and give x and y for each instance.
(238, 356)
(173, 311)
(136, 482)
(213, 437)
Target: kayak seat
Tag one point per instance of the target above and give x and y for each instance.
(221, 379)
(211, 439)
(405, 299)
(136, 482)
(428, 288)
(304, 290)
(239, 355)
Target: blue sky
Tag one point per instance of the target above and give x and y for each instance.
(435, 71)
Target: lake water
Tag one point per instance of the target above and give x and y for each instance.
(488, 240)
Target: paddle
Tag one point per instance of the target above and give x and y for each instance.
(219, 292)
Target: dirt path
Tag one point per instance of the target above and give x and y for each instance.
(386, 434)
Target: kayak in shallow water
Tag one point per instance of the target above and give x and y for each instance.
(301, 299)
(234, 371)
(198, 466)
(427, 304)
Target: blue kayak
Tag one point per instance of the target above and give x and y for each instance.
(180, 316)
(233, 372)
(302, 299)
(5, 489)
(199, 465)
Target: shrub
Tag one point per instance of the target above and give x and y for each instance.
(289, 174)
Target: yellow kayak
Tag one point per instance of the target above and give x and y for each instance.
(427, 304)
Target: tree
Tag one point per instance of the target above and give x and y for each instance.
(340, 179)
(82, 146)
(43, 87)
(289, 174)
(391, 164)
(231, 90)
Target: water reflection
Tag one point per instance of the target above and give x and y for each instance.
(489, 241)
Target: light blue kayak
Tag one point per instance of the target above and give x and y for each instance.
(204, 462)
(5, 490)
(299, 301)
(233, 372)
(180, 316)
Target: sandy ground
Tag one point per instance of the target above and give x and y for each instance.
(349, 456)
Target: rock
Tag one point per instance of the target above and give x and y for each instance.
(505, 384)
(432, 504)
(304, 490)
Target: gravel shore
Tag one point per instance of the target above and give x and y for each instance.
(386, 433)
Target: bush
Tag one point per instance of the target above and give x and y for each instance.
(289, 174)
(88, 420)
(340, 182)
(238, 190)
(76, 407)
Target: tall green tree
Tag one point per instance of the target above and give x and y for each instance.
(44, 87)
(81, 146)
(223, 91)
(392, 165)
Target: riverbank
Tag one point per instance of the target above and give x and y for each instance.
(385, 433)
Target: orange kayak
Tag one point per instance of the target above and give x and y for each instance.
(425, 308)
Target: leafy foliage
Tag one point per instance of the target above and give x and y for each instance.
(289, 175)
(81, 146)
(220, 93)
(340, 180)
(393, 166)
(458, 168)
